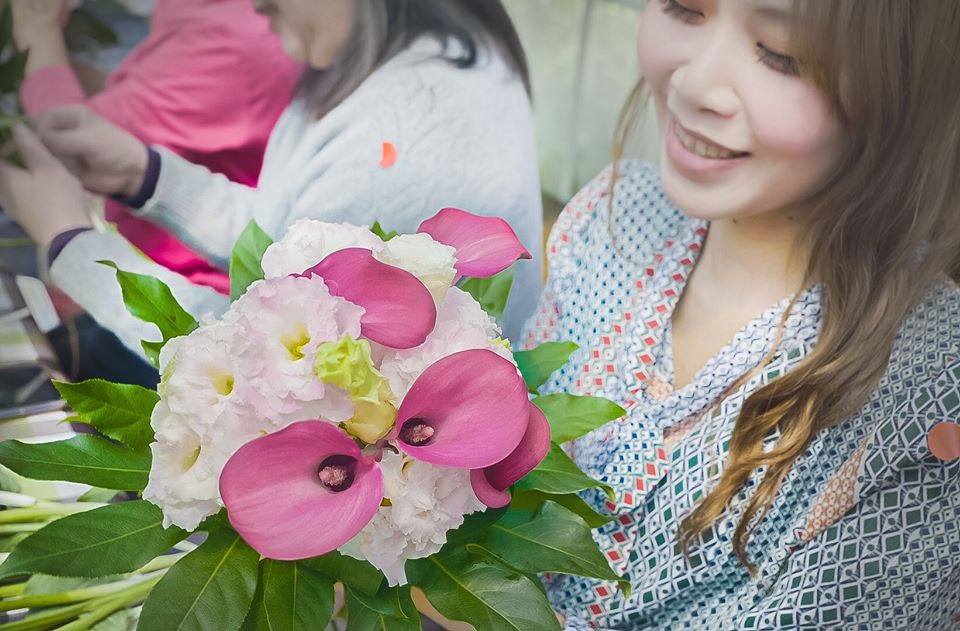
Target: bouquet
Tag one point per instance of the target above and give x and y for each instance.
(353, 419)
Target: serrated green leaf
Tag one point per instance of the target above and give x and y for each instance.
(6, 25)
(492, 292)
(113, 539)
(245, 259)
(123, 620)
(474, 525)
(83, 458)
(391, 609)
(555, 540)
(44, 584)
(210, 588)
(484, 593)
(558, 475)
(572, 416)
(358, 575)
(290, 597)
(538, 364)
(120, 411)
(533, 500)
(378, 230)
(149, 299)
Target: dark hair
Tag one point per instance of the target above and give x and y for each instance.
(384, 28)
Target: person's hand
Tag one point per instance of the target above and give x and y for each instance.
(36, 18)
(45, 199)
(107, 159)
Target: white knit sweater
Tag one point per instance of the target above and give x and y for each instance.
(463, 138)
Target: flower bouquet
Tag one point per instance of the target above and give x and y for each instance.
(351, 427)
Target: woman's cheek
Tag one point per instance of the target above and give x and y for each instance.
(658, 48)
(789, 117)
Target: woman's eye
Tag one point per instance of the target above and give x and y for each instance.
(784, 64)
(681, 12)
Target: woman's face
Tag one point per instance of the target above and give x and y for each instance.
(743, 134)
(312, 31)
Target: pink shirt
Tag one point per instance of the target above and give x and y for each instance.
(208, 82)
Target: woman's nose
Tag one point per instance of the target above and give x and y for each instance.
(704, 80)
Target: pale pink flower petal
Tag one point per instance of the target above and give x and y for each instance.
(300, 492)
(400, 311)
(485, 245)
(468, 410)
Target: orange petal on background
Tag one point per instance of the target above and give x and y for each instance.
(944, 441)
(389, 156)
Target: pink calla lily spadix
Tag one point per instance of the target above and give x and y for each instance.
(490, 484)
(467, 411)
(400, 312)
(485, 245)
(308, 489)
(300, 492)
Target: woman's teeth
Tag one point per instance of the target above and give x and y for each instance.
(704, 149)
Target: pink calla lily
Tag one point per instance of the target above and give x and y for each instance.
(468, 410)
(485, 245)
(400, 312)
(300, 492)
(491, 483)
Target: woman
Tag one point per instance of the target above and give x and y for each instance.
(408, 106)
(172, 90)
(772, 307)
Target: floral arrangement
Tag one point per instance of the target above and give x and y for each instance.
(354, 417)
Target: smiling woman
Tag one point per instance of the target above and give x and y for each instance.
(771, 306)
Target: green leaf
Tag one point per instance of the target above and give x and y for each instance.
(150, 300)
(290, 597)
(120, 411)
(84, 458)
(558, 475)
(98, 495)
(8, 481)
(534, 500)
(474, 525)
(538, 364)
(245, 259)
(152, 351)
(572, 416)
(555, 540)
(113, 539)
(6, 25)
(210, 588)
(43, 584)
(492, 292)
(378, 230)
(482, 592)
(391, 609)
(358, 575)
(12, 72)
(123, 620)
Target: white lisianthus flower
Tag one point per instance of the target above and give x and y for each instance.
(462, 325)
(198, 424)
(308, 241)
(431, 262)
(283, 321)
(425, 503)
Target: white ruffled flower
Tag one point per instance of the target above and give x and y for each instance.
(308, 241)
(462, 325)
(425, 503)
(284, 320)
(199, 423)
(432, 262)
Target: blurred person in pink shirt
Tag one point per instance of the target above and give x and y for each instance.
(209, 82)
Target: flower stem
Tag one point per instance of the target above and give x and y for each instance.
(109, 603)
(83, 594)
(14, 589)
(12, 529)
(42, 511)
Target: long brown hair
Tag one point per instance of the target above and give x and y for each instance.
(884, 226)
(383, 28)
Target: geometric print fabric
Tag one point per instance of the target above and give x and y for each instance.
(865, 530)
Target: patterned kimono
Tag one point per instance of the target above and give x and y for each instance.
(865, 530)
